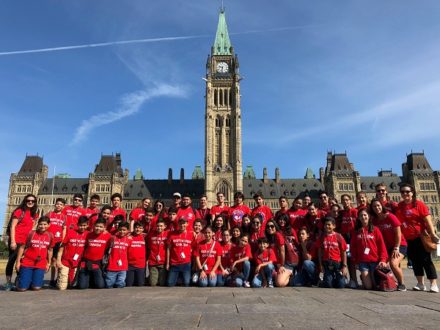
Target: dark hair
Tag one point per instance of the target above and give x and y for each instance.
(224, 226)
(239, 194)
(198, 220)
(23, 206)
(287, 229)
(208, 227)
(172, 209)
(371, 209)
(358, 224)
(345, 195)
(257, 216)
(323, 192)
(78, 195)
(414, 198)
(100, 221)
(257, 195)
(124, 224)
(329, 219)
(95, 196)
(44, 219)
(263, 240)
(270, 237)
(139, 224)
(234, 240)
(118, 217)
(59, 199)
(149, 210)
(106, 207)
(159, 201)
(82, 219)
(282, 197)
(115, 195)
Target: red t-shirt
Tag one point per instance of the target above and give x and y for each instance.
(237, 252)
(72, 215)
(291, 247)
(137, 253)
(368, 247)
(157, 247)
(296, 218)
(57, 223)
(331, 245)
(236, 214)
(217, 210)
(138, 214)
(179, 244)
(253, 239)
(92, 212)
(115, 212)
(412, 218)
(204, 215)
(208, 252)
(73, 245)
(96, 246)
(226, 255)
(265, 256)
(24, 226)
(279, 241)
(347, 221)
(37, 245)
(218, 237)
(264, 211)
(118, 259)
(388, 229)
(389, 205)
(188, 214)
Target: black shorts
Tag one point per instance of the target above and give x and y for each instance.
(55, 250)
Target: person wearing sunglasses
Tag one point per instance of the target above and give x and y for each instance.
(23, 219)
(385, 200)
(415, 218)
(74, 211)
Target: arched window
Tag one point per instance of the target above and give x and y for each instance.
(220, 97)
(215, 97)
(224, 188)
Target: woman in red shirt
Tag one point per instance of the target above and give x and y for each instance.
(224, 275)
(286, 272)
(22, 221)
(395, 242)
(368, 249)
(416, 220)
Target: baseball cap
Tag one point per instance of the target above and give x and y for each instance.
(176, 194)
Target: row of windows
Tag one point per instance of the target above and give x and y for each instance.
(427, 186)
(102, 188)
(23, 188)
(426, 199)
(223, 97)
(434, 211)
(346, 186)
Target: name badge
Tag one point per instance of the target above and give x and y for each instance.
(158, 257)
(119, 262)
(57, 234)
(182, 255)
(367, 251)
(75, 257)
(205, 267)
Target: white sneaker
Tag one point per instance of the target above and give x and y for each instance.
(270, 285)
(434, 288)
(247, 284)
(420, 287)
(352, 284)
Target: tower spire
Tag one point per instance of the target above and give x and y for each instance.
(222, 43)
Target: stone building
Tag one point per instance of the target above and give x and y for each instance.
(223, 170)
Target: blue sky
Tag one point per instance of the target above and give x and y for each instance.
(355, 76)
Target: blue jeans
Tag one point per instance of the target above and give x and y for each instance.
(333, 277)
(307, 275)
(207, 281)
(85, 275)
(257, 282)
(176, 270)
(115, 279)
(30, 277)
(244, 276)
(135, 276)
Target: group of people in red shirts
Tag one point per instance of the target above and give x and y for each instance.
(302, 244)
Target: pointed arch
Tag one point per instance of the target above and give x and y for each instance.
(225, 188)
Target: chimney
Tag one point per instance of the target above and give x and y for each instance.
(265, 177)
(170, 175)
(277, 175)
(182, 176)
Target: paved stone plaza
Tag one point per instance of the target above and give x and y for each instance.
(226, 308)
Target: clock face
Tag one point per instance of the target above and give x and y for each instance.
(222, 67)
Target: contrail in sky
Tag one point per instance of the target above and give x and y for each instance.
(138, 41)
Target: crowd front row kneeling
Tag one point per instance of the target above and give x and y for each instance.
(301, 245)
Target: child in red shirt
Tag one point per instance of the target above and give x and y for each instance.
(96, 246)
(224, 273)
(137, 257)
(118, 257)
(70, 254)
(264, 260)
(33, 258)
(156, 253)
(368, 249)
(332, 255)
(240, 262)
(208, 257)
(306, 274)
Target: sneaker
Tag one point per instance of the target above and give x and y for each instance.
(434, 288)
(8, 286)
(247, 284)
(401, 287)
(419, 287)
(53, 284)
(270, 285)
(352, 284)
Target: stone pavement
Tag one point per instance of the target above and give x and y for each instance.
(222, 308)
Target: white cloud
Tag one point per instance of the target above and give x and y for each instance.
(130, 104)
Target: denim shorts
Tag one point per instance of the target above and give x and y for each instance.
(402, 250)
(30, 277)
(368, 266)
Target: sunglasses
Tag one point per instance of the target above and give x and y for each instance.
(405, 191)
(255, 223)
(381, 190)
(77, 199)
(271, 226)
(30, 201)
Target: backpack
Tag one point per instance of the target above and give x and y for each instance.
(385, 279)
(20, 218)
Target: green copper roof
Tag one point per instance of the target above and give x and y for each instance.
(138, 175)
(309, 174)
(249, 173)
(222, 44)
(197, 173)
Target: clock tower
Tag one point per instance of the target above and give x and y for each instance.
(223, 162)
